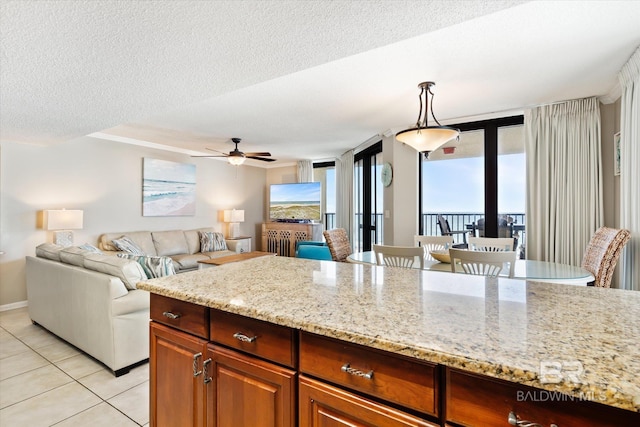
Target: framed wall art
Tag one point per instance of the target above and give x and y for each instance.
(168, 188)
(616, 154)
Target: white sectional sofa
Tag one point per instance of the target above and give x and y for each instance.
(90, 299)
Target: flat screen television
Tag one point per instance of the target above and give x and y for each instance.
(298, 202)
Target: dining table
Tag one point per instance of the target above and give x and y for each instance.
(538, 271)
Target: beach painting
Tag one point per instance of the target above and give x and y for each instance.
(168, 188)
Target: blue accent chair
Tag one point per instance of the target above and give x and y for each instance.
(313, 250)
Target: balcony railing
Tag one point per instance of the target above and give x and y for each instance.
(429, 223)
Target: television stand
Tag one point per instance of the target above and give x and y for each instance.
(281, 237)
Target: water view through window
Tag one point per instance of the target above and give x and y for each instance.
(453, 183)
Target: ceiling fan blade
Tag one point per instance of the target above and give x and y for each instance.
(261, 154)
(217, 151)
(224, 155)
(261, 158)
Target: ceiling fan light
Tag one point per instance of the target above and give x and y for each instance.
(236, 160)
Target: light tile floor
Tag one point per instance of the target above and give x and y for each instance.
(46, 382)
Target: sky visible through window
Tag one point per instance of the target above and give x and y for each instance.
(457, 185)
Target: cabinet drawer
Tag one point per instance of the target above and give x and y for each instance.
(475, 400)
(324, 405)
(410, 383)
(263, 339)
(188, 317)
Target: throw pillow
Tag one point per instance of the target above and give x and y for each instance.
(90, 248)
(212, 241)
(125, 244)
(153, 266)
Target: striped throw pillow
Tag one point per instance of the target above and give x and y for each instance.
(153, 266)
(212, 241)
(125, 244)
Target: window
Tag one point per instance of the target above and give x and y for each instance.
(480, 176)
(325, 173)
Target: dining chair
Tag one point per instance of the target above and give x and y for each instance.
(445, 230)
(399, 256)
(491, 244)
(482, 263)
(338, 243)
(432, 243)
(602, 253)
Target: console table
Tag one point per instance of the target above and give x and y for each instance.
(281, 237)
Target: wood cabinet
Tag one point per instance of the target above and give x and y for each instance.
(476, 400)
(218, 369)
(281, 237)
(402, 381)
(177, 390)
(323, 405)
(247, 391)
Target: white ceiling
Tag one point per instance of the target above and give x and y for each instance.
(301, 79)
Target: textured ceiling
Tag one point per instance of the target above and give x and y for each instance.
(301, 79)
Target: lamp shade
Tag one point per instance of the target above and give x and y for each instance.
(63, 219)
(234, 215)
(427, 139)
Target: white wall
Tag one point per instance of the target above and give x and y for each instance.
(401, 197)
(104, 179)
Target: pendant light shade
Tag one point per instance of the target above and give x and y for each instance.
(422, 137)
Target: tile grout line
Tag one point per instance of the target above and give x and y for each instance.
(50, 362)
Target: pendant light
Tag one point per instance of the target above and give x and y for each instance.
(422, 137)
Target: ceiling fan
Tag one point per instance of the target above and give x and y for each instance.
(237, 157)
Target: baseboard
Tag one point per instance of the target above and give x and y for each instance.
(13, 306)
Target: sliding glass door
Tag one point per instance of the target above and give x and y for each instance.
(478, 182)
(368, 195)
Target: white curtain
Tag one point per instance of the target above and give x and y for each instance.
(344, 188)
(629, 78)
(305, 171)
(564, 179)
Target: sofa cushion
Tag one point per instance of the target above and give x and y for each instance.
(74, 255)
(170, 242)
(212, 241)
(130, 272)
(90, 247)
(49, 251)
(188, 261)
(218, 254)
(193, 239)
(127, 245)
(140, 238)
(153, 266)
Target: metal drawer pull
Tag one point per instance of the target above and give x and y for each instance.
(514, 420)
(242, 337)
(205, 364)
(170, 315)
(351, 371)
(195, 364)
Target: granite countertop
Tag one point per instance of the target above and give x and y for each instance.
(582, 341)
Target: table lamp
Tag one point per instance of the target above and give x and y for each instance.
(62, 221)
(234, 217)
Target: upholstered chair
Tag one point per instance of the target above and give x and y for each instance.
(338, 243)
(602, 253)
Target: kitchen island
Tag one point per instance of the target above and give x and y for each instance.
(447, 348)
